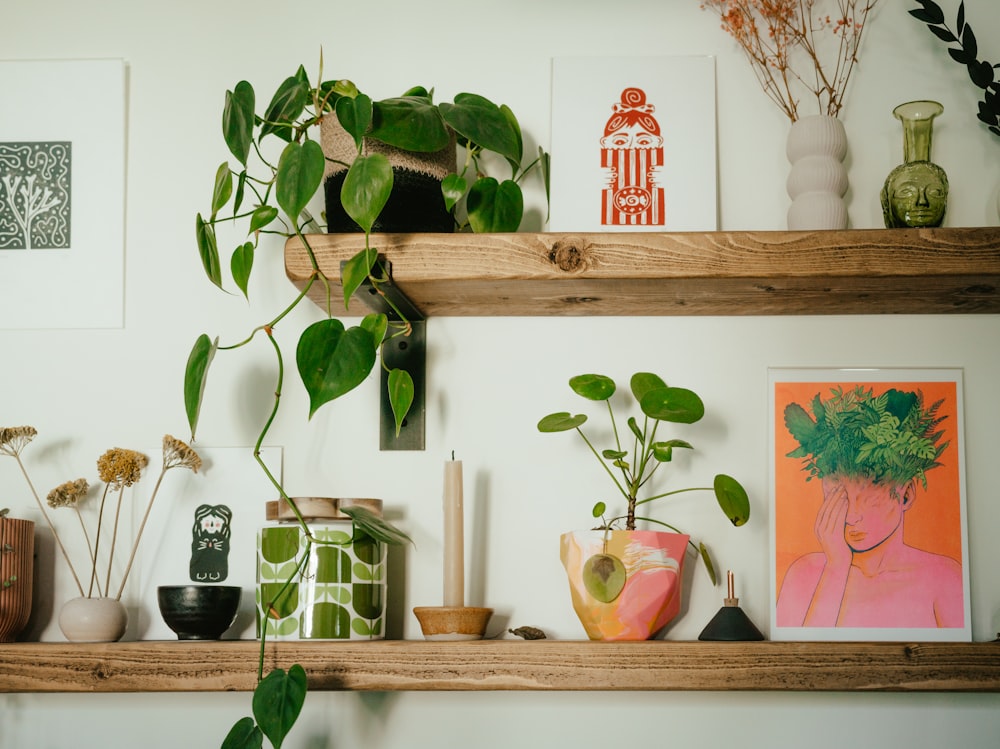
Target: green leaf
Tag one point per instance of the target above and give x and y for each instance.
(560, 422)
(238, 120)
(709, 564)
(401, 391)
(286, 105)
(494, 206)
(642, 382)
(355, 115)
(300, 173)
(677, 405)
(208, 248)
(244, 735)
(412, 123)
(593, 387)
(195, 376)
(663, 451)
(482, 122)
(377, 324)
(333, 361)
(453, 188)
(604, 577)
(368, 523)
(633, 426)
(613, 454)
(223, 189)
(732, 499)
(241, 264)
(277, 702)
(241, 185)
(262, 216)
(366, 189)
(355, 271)
(599, 509)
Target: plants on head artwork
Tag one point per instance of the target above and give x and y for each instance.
(632, 470)
(796, 49)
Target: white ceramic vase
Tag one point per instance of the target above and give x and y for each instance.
(93, 620)
(816, 147)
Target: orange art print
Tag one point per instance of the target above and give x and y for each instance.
(868, 513)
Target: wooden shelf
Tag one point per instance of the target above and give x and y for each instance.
(692, 273)
(506, 665)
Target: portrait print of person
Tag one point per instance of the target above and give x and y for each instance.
(868, 507)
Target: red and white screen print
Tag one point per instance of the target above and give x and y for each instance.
(631, 152)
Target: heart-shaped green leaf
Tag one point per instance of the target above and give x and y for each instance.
(593, 387)
(401, 391)
(412, 123)
(355, 115)
(604, 577)
(452, 188)
(732, 499)
(333, 361)
(244, 735)
(366, 189)
(561, 422)
(355, 271)
(677, 405)
(300, 173)
(238, 120)
(285, 107)
(262, 216)
(278, 700)
(479, 120)
(223, 189)
(195, 376)
(241, 264)
(208, 248)
(377, 324)
(494, 206)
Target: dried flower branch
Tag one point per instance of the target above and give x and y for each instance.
(12, 441)
(777, 35)
(70, 494)
(176, 454)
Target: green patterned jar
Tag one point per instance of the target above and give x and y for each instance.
(335, 590)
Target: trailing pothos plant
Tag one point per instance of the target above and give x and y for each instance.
(631, 467)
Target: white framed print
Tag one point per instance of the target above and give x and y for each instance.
(633, 144)
(868, 508)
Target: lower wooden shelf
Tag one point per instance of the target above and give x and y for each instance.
(397, 665)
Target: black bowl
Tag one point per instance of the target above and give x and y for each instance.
(199, 612)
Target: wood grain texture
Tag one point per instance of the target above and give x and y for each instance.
(505, 665)
(865, 271)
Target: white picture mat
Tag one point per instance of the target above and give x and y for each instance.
(682, 89)
(82, 286)
(956, 433)
(230, 476)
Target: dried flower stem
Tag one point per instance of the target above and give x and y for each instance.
(114, 540)
(48, 522)
(92, 548)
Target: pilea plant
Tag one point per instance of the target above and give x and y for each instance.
(632, 467)
(888, 438)
(981, 72)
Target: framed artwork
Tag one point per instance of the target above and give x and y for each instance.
(633, 144)
(62, 194)
(202, 530)
(868, 509)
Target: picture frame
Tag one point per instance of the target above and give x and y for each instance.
(868, 536)
(62, 194)
(633, 144)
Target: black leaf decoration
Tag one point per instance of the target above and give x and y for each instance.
(981, 72)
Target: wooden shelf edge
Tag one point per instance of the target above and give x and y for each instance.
(506, 665)
(863, 271)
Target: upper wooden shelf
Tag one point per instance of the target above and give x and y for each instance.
(859, 271)
(393, 665)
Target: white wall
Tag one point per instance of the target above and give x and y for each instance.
(489, 379)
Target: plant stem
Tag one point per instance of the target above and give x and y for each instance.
(114, 540)
(48, 522)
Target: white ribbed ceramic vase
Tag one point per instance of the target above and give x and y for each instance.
(817, 182)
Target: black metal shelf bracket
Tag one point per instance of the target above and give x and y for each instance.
(407, 352)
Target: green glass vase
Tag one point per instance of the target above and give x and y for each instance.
(915, 193)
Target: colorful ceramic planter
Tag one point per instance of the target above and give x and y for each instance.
(634, 599)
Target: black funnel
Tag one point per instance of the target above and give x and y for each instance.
(731, 623)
